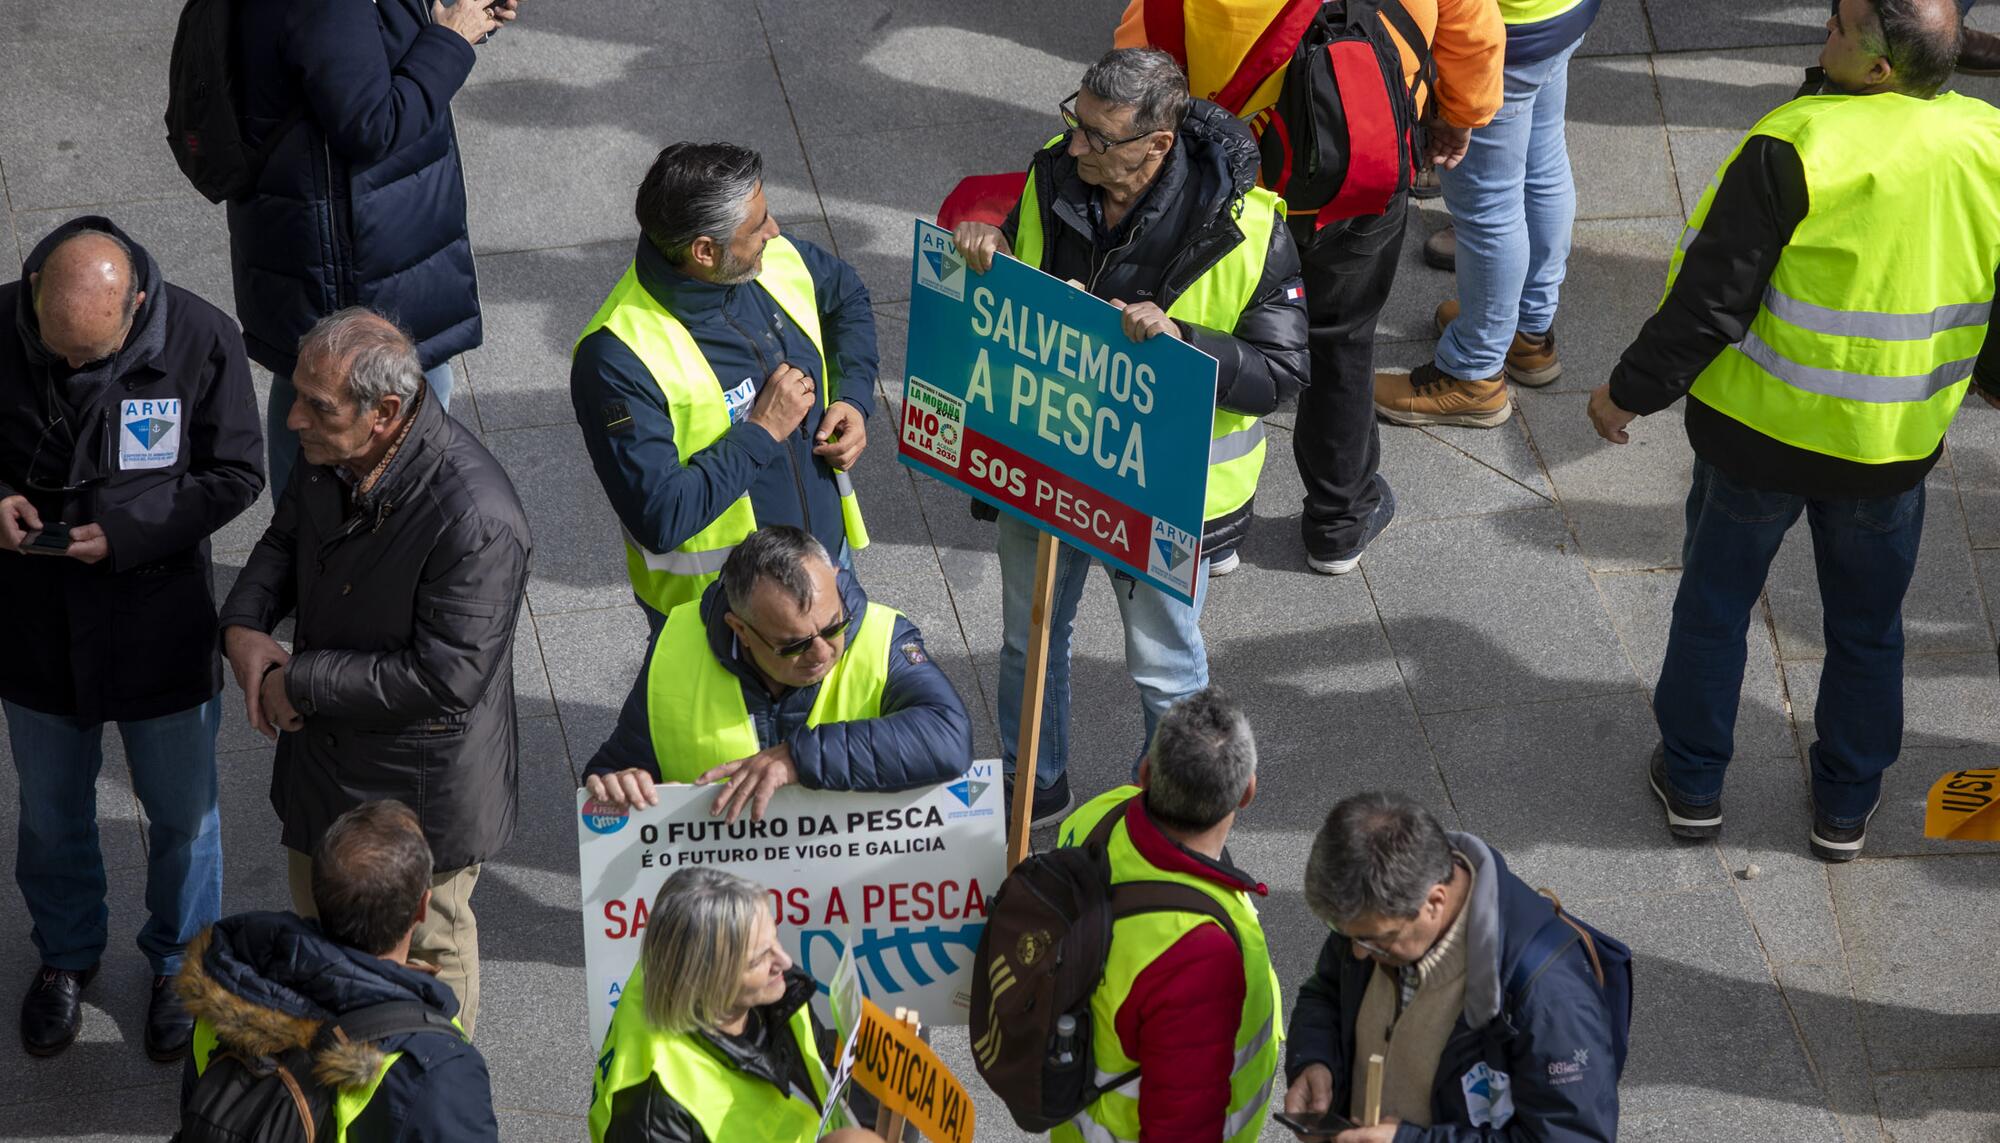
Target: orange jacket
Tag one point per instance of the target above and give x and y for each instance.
(1468, 41)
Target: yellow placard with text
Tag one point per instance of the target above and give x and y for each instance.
(902, 1071)
(1964, 805)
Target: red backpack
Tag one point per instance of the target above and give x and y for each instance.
(1345, 134)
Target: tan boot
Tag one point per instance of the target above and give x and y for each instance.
(1425, 396)
(1531, 360)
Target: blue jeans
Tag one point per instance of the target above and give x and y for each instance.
(281, 444)
(59, 866)
(1865, 551)
(1512, 201)
(1163, 648)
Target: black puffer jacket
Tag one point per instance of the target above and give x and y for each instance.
(131, 636)
(402, 663)
(363, 202)
(266, 982)
(1185, 224)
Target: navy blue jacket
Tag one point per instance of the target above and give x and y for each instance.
(132, 636)
(268, 981)
(1553, 1039)
(1533, 43)
(923, 736)
(663, 497)
(363, 202)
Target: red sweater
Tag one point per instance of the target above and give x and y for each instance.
(1181, 1018)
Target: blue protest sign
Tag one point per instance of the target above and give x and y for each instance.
(1024, 391)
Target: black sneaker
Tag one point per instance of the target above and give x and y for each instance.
(1830, 842)
(1683, 818)
(1050, 804)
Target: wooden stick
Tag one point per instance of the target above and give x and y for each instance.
(889, 1124)
(1030, 738)
(1371, 1106)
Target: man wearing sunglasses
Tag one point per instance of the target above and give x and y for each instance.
(129, 417)
(1149, 200)
(1497, 1016)
(782, 672)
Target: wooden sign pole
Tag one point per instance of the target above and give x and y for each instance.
(1371, 1106)
(889, 1124)
(1029, 742)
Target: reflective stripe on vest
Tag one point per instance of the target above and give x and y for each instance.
(1533, 11)
(694, 705)
(1215, 300)
(1867, 334)
(664, 580)
(1135, 943)
(727, 1102)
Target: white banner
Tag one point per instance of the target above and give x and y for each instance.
(905, 877)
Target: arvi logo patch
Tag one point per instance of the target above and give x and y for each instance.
(1489, 1096)
(939, 267)
(149, 434)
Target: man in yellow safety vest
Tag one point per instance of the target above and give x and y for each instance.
(1149, 200)
(782, 672)
(726, 381)
(1826, 310)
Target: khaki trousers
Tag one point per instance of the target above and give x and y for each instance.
(447, 937)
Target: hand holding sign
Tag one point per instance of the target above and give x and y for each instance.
(1145, 320)
(752, 781)
(622, 788)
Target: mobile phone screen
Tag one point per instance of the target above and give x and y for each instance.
(1323, 1123)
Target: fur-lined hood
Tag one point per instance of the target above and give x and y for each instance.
(267, 982)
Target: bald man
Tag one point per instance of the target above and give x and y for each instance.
(128, 435)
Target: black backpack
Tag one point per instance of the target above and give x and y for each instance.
(204, 125)
(241, 1098)
(1041, 956)
(1345, 134)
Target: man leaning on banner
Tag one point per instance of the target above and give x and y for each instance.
(782, 672)
(1149, 200)
(726, 381)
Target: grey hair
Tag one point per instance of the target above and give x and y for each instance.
(694, 190)
(697, 947)
(1144, 79)
(379, 358)
(1379, 854)
(1203, 757)
(780, 554)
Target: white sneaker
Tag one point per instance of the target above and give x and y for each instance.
(1225, 565)
(1330, 567)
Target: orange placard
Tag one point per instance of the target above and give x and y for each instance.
(902, 1071)
(1964, 805)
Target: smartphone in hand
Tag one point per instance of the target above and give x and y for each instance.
(52, 540)
(1314, 1124)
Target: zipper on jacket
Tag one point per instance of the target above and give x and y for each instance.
(764, 364)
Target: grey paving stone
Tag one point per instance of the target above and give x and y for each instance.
(1434, 479)
(88, 141)
(1729, 88)
(1458, 601)
(1513, 770)
(1943, 611)
(874, 183)
(532, 143)
(1691, 24)
(1708, 1023)
(1617, 268)
(533, 697)
(1627, 502)
(541, 1127)
(26, 20)
(1909, 926)
(144, 1112)
(535, 302)
(186, 235)
(1617, 140)
(557, 42)
(1988, 564)
(1506, 450)
(592, 658)
(1641, 605)
(1897, 829)
(1974, 446)
(1957, 1106)
(579, 554)
(1767, 818)
(1822, 1000)
(1763, 1119)
(1698, 158)
(1620, 29)
(1948, 700)
(253, 850)
(10, 247)
(532, 1033)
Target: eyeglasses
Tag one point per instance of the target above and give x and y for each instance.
(797, 647)
(1098, 143)
(1373, 944)
(35, 462)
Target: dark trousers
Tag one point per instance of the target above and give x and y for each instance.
(1865, 552)
(1348, 268)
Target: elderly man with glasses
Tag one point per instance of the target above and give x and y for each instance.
(783, 672)
(129, 437)
(1149, 200)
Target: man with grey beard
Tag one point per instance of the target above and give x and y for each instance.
(725, 383)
